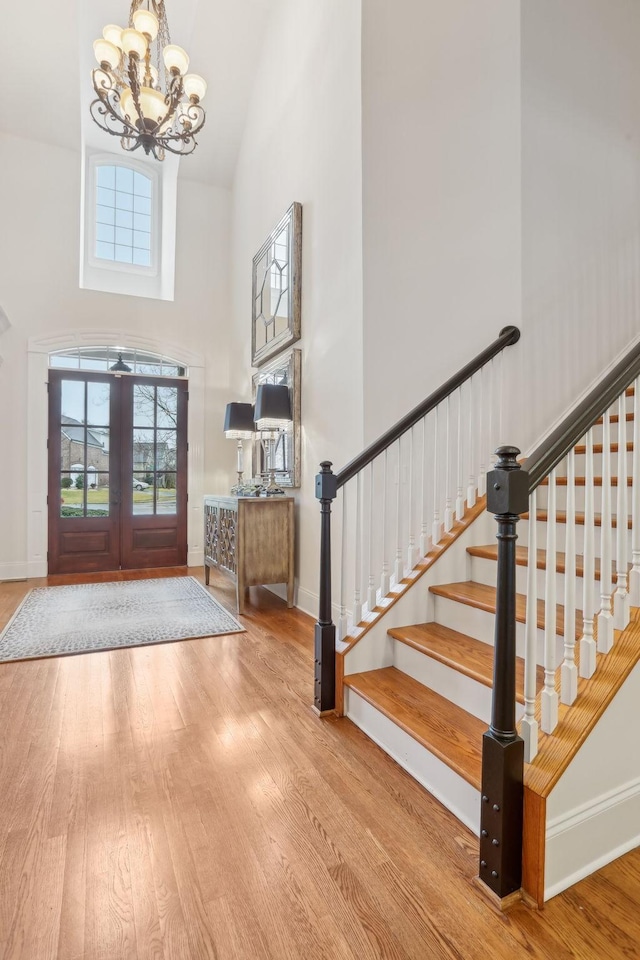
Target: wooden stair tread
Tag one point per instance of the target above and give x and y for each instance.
(561, 517)
(447, 731)
(576, 722)
(581, 481)
(599, 447)
(483, 597)
(468, 656)
(490, 552)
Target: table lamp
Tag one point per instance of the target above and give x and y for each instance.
(272, 414)
(239, 425)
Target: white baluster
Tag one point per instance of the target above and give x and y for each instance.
(424, 527)
(621, 613)
(529, 722)
(587, 642)
(448, 507)
(357, 601)
(398, 569)
(471, 486)
(605, 617)
(385, 578)
(549, 695)
(500, 375)
(569, 672)
(460, 465)
(634, 580)
(412, 552)
(343, 626)
(436, 526)
(371, 591)
(484, 441)
(492, 444)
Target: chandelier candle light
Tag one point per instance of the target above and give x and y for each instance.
(144, 94)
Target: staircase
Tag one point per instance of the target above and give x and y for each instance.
(424, 691)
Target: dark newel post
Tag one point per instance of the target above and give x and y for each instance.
(325, 634)
(502, 748)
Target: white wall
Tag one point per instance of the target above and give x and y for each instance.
(441, 192)
(593, 813)
(39, 250)
(302, 142)
(500, 185)
(580, 187)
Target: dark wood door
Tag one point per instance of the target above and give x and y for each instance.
(154, 464)
(117, 472)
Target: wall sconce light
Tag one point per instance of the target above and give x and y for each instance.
(239, 425)
(272, 414)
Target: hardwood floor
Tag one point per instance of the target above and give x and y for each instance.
(182, 801)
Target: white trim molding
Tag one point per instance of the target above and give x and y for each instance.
(37, 432)
(592, 834)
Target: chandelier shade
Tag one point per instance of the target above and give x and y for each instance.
(144, 94)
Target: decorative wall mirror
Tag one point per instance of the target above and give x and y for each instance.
(284, 369)
(277, 289)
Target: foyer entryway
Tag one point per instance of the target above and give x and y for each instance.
(117, 489)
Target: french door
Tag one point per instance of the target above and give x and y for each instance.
(117, 472)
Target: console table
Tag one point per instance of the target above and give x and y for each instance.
(252, 539)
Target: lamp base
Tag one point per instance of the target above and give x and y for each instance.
(272, 489)
(238, 487)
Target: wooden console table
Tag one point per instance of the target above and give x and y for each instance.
(252, 539)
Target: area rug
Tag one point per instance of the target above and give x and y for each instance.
(53, 621)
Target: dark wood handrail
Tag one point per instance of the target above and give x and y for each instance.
(508, 336)
(565, 437)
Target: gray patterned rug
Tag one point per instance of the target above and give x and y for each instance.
(52, 621)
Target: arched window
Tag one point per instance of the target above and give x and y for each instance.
(127, 243)
(124, 220)
(103, 358)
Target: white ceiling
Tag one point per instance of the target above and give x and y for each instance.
(223, 38)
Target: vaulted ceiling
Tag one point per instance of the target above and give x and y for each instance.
(46, 55)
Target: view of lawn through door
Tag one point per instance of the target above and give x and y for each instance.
(117, 471)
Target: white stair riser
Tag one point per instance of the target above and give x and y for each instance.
(485, 571)
(581, 464)
(561, 499)
(480, 625)
(465, 692)
(627, 429)
(448, 787)
(561, 529)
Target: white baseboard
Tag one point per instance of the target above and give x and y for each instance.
(20, 570)
(307, 601)
(590, 836)
(195, 558)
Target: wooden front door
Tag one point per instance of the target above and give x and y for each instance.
(117, 472)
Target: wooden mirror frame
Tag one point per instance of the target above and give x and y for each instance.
(278, 343)
(283, 369)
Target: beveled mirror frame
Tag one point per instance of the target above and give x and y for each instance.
(282, 369)
(260, 352)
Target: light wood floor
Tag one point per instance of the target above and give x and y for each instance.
(182, 801)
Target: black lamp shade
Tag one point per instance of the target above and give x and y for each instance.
(238, 421)
(273, 406)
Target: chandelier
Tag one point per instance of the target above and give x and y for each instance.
(144, 94)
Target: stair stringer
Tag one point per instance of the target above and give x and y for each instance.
(374, 649)
(593, 812)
